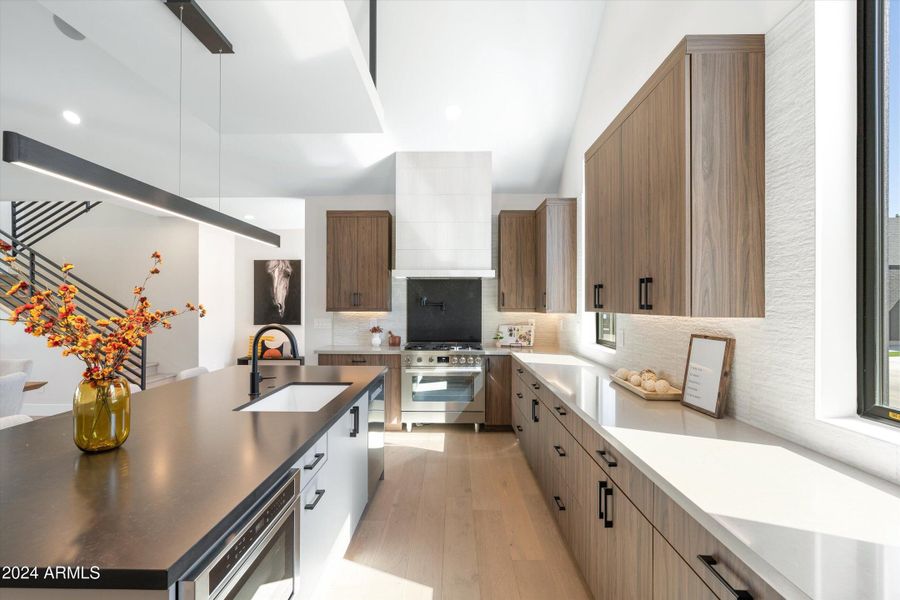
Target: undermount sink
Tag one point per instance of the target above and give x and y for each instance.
(300, 397)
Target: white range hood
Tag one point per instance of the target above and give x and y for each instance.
(443, 215)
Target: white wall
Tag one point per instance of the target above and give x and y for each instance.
(245, 252)
(326, 328)
(773, 383)
(110, 248)
(217, 291)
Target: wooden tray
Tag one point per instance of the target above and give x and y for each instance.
(672, 394)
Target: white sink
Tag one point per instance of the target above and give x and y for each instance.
(298, 398)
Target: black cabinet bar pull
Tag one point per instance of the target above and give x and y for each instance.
(607, 458)
(601, 486)
(559, 503)
(607, 507)
(711, 563)
(318, 457)
(641, 293)
(534, 416)
(560, 411)
(647, 304)
(358, 361)
(355, 412)
(559, 450)
(312, 505)
(518, 427)
(536, 386)
(502, 298)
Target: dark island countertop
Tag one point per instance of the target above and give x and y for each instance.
(146, 512)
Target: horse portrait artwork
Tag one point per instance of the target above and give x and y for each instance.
(276, 292)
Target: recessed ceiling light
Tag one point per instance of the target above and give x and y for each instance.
(71, 117)
(452, 112)
(249, 217)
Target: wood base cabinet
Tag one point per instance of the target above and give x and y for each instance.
(498, 406)
(675, 188)
(391, 380)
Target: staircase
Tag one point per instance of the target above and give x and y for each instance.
(155, 378)
(33, 221)
(44, 273)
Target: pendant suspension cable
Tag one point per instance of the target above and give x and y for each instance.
(220, 130)
(180, 85)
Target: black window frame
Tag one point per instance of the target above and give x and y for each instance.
(872, 354)
(597, 338)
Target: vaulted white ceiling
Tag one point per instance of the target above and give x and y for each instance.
(300, 116)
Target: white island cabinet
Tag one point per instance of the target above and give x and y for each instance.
(333, 500)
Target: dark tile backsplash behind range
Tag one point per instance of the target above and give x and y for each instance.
(460, 319)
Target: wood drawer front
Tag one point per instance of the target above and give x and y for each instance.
(562, 451)
(690, 540)
(635, 485)
(673, 579)
(360, 360)
(559, 409)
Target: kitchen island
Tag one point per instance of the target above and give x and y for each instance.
(142, 516)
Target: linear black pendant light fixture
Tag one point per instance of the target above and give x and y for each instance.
(37, 156)
(199, 23)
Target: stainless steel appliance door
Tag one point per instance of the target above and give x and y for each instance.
(376, 434)
(270, 572)
(443, 390)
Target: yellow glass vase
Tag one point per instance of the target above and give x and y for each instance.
(101, 412)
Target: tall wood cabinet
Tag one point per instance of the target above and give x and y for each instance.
(675, 188)
(497, 406)
(516, 242)
(358, 263)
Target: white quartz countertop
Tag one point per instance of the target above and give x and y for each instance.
(809, 525)
(489, 349)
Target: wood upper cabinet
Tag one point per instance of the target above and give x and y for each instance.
(675, 188)
(556, 239)
(516, 241)
(358, 263)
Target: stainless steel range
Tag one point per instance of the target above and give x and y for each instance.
(442, 382)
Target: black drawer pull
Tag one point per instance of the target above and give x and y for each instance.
(560, 411)
(518, 427)
(536, 386)
(519, 371)
(711, 563)
(358, 361)
(607, 506)
(312, 505)
(559, 503)
(559, 450)
(519, 395)
(502, 298)
(610, 462)
(601, 486)
(534, 415)
(355, 412)
(318, 458)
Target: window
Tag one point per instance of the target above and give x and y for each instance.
(606, 329)
(878, 181)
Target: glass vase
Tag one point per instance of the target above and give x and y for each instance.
(101, 414)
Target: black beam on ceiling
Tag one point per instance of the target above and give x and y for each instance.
(30, 153)
(199, 23)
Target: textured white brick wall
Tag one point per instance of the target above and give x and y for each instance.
(773, 382)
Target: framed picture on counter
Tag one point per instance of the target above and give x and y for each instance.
(706, 373)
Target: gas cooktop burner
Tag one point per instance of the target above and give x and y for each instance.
(444, 346)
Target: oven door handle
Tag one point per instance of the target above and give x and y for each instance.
(457, 371)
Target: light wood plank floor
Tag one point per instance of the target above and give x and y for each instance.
(458, 515)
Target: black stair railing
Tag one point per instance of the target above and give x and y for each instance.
(44, 273)
(34, 221)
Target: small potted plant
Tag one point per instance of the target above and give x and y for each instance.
(498, 339)
(376, 335)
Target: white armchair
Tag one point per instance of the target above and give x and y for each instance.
(12, 393)
(16, 365)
